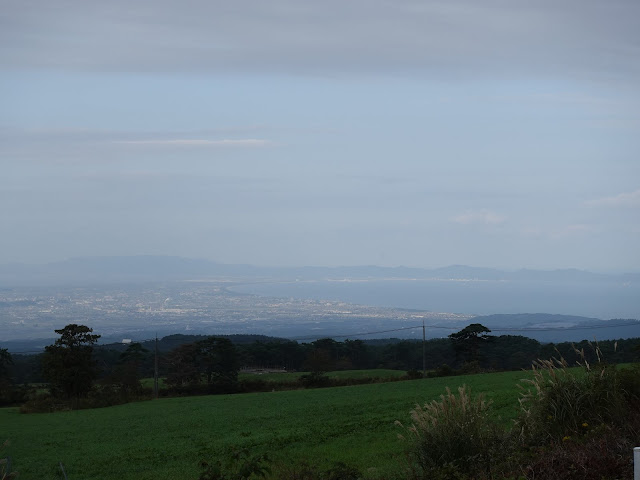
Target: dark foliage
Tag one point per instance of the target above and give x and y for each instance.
(604, 455)
(218, 360)
(68, 363)
(305, 471)
(214, 359)
(467, 342)
(98, 397)
(6, 382)
(239, 464)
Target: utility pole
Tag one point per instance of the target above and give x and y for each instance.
(155, 373)
(424, 352)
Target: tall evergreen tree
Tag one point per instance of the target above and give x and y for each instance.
(68, 364)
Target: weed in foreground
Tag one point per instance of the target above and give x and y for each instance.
(242, 465)
(304, 471)
(560, 402)
(602, 454)
(5, 465)
(575, 424)
(454, 437)
(582, 423)
(239, 465)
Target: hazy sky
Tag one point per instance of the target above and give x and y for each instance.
(293, 132)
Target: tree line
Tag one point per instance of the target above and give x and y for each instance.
(74, 363)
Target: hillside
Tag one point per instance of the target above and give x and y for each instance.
(166, 439)
(546, 327)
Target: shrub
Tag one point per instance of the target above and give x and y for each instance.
(304, 471)
(314, 380)
(445, 370)
(630, 385)
(98, 397)
(239, 464)
(14, 395)
(454, 437)
(582, 422)
(44, 403)
(561, 402)
(601, 454)
(5, 465)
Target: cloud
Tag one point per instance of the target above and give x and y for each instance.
(125, 176)
(631, 199)
(572, 37)
(559, 232)
(18, 144)
(479, 217)
(194, 142)
(572, 231)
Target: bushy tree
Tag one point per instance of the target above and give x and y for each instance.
(318, 361)
(218, 360)
(6, 382)
(213, 358)
(68, 364)
(182, 366)
(468, 340)
(5, 361)
(129, 364)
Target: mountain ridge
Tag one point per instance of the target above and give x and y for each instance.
(159, 267)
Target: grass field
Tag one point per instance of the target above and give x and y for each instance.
(166, 438)
(341, 374)
(292, 377)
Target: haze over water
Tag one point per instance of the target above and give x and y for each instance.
(605, 300)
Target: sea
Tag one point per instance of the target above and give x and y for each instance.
(605, 300)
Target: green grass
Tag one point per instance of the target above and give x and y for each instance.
(292, 377)
(166, 438)
(148, 383)
(341, 374)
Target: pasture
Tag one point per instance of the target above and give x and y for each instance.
(167, 438)
(292, 377)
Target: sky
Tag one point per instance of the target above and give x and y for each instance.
(355, 132)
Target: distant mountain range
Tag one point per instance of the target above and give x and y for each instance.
(163, 268)
(546, 327)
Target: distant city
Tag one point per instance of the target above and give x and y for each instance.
(141, 310)
(141, 297)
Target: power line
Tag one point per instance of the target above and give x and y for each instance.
(443, 327)
(356, 334)
(565, 328)
(27, 352)
(547, 329)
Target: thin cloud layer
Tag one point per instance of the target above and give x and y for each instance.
(480, 217)
(631, 199)
(195, 142)
(369, 131)
(440, 38)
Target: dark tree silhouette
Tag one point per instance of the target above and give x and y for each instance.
(218, 360)
(214, 358)
(182, 365)
(5, 361)
(68, 364)
(6, 381)
(319, 361)
(130, 363)
(468, 340)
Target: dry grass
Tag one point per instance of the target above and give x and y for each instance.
(559, 401)
(455, 432)
(576, 423)
(582, 421)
